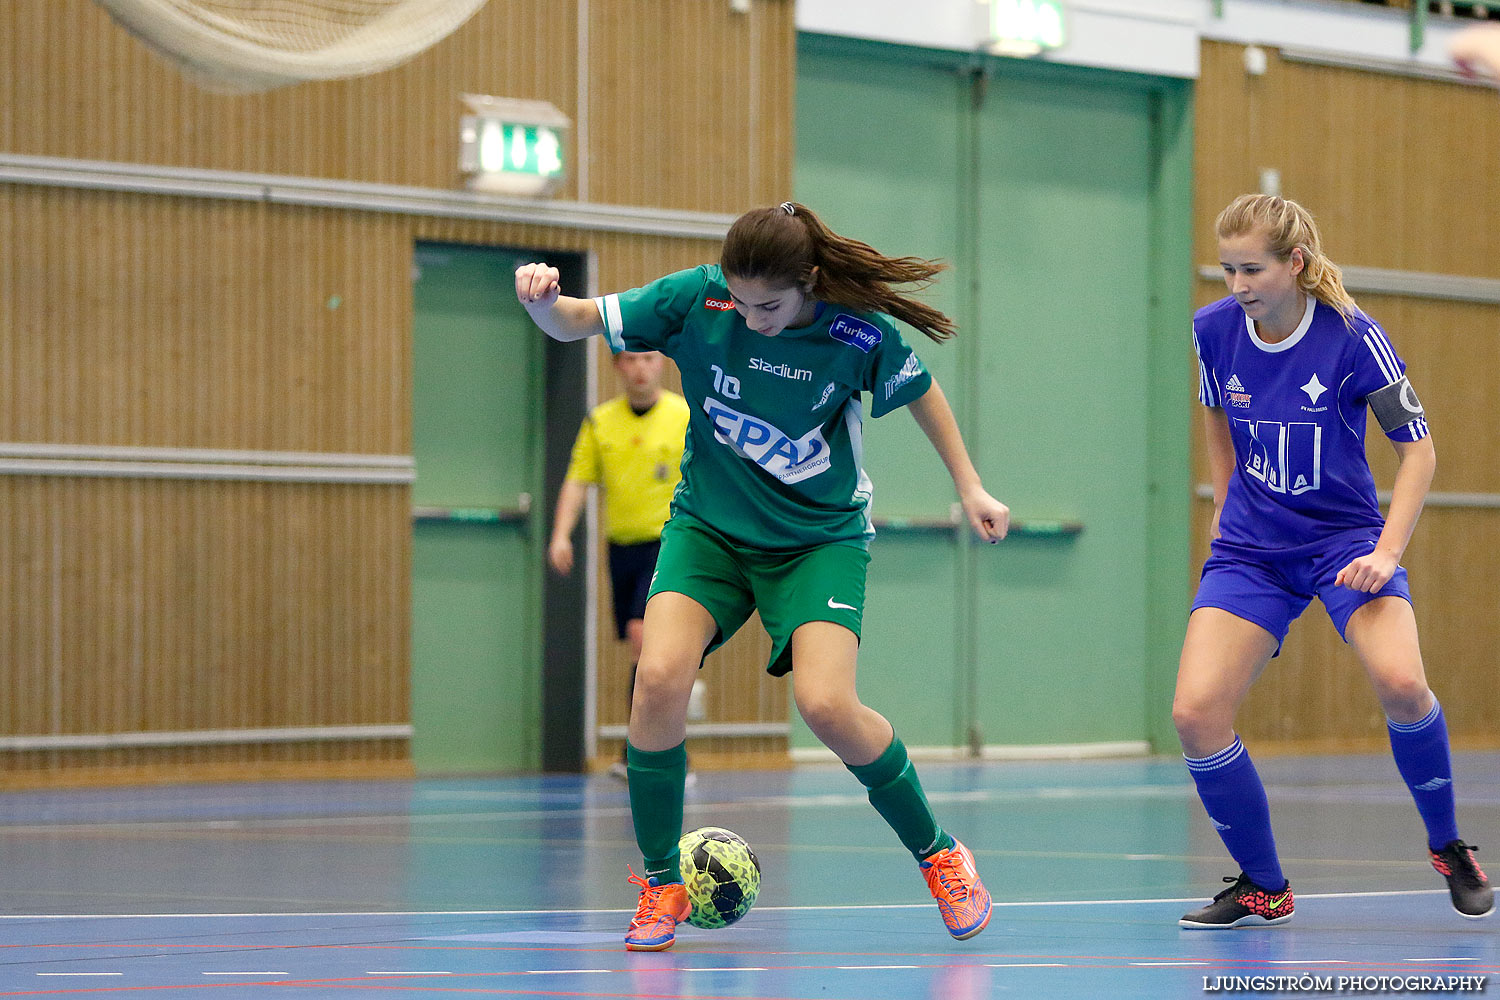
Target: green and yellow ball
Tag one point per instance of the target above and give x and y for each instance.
(722, 875)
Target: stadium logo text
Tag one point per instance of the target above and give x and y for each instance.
(784, 371)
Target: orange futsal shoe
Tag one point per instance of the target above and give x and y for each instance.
(961, 897)
(657, 915)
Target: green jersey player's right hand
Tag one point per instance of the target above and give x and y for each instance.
(537, 285)
(561, 317)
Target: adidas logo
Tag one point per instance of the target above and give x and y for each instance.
(1433, 785)
(1234, 384)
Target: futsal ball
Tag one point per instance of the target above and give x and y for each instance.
(722, 876)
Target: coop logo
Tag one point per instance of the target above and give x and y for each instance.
(784, 371)
(722, 305)
(1236, 392)
(854, 331)
(789, 460)
(909, 371)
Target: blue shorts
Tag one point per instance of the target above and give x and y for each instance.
(1273, 592)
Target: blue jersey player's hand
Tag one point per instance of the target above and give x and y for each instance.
(1368, 573)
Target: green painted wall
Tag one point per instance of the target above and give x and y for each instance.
(876, 182)
(476, 419)
(1064, 204)
(1061, 197)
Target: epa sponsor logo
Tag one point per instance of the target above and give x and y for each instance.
(854, 331)
(789, 459)
(722, 305)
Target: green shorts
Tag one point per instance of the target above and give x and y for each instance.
(825, 583)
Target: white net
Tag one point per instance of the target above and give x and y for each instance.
(244, 46)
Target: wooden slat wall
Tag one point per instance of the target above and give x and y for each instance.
(1400, 173)
(167, 605)
(130, 319)
(690, 103)
(172, 322)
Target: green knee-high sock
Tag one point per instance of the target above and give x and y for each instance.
(657, 778)
(896, 793)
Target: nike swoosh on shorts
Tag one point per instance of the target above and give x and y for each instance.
(835, 604)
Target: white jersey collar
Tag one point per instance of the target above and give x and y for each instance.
(1290, 342)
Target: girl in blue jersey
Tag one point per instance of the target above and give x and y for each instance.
(1288, 367)
(777, 346)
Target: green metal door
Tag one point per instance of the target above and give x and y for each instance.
(476, 415)
(1064, 186)
(1061, 198)
(875, 153)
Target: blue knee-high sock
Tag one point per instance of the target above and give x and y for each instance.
(1236, 802)
(1421, 751)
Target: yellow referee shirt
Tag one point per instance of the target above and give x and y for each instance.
(637, 461)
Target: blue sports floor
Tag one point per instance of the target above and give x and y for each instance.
(515, 887)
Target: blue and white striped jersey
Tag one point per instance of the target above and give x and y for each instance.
(1296, 414)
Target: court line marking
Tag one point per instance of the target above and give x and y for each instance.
(80, 973)
(861, 968)
(374, 914)
(1026, 965)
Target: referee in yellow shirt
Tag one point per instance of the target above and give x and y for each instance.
(631, 447)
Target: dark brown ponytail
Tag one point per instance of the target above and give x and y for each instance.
(788, 246)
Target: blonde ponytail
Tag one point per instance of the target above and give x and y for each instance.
(1288, 226)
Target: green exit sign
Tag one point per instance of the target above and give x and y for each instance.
(1026, 27)
(516, 147)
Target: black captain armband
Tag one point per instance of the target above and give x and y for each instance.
(1396, 405)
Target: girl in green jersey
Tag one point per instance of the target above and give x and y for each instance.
(776, 346)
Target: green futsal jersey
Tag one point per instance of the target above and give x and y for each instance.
(773, 457)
